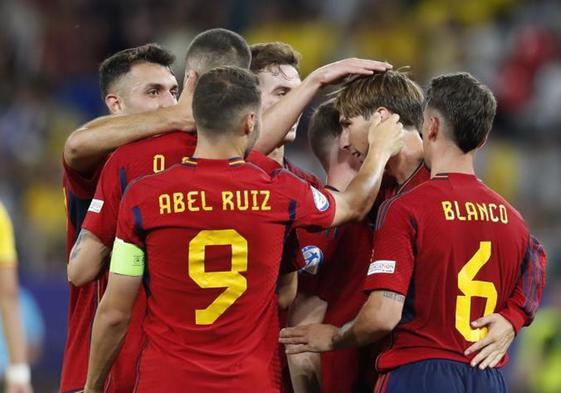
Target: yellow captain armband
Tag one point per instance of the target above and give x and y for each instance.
(127, 259)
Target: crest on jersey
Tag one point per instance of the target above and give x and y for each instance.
(320, 200)
(313, 257)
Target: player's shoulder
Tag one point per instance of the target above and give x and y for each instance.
(301, 173)
(168, 140)
(144, 187)
(500, 200)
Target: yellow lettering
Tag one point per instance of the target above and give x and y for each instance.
(227, 203)
(471, 211)
(158, 163)
(503, 214)
(255, 204)
(265, 205)
(447, 209)
(483, 212)
(178, 204)
(191, 201)
(165, 204)
(458, 213)
(493, 207)
(203, 202)
(245, 205)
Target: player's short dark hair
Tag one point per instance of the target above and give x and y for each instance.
(267, 54)
(221, 97)
(217, 47)
(323, 129)
(119, 64)
(391, 89)
(467, 105)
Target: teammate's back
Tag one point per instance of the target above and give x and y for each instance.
(470, 247)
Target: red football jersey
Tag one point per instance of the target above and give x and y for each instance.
(130, 161)
(456, 250)
(213, 233)
(78, 193)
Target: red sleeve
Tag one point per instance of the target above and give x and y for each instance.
(314, 207)
(522, 305)
(392, 261)
(129, 220)
(79, 183)
(101, 219)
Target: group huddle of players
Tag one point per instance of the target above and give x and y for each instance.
(201, 260)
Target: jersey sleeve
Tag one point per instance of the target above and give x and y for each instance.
(101, 219)
(7, 242)
(522, 305)
(128, 256)
(313, 207)
(392, 260)
(81, 182)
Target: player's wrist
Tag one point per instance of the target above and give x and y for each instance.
(18, 373)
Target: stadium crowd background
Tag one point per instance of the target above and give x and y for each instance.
(50, 50)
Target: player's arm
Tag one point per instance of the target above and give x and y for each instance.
(287, 287)
(378, 316)
(114, 312)
(385, 140)
(519, 310)
(17, 374)
(86, 258)
(280, 118)
(87, 146)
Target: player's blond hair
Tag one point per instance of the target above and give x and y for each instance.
(391, 89)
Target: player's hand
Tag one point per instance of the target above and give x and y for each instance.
(494, 345)
(335, 72)
(308, 338)
(184, 107)
(386, 135)
(12, 387)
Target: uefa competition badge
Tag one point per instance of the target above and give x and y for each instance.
(320, 200)
(313, 257)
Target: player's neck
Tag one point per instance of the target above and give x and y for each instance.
(402, 165)
(278, 155)
(340, 175)
(452, 160)
(218, 148)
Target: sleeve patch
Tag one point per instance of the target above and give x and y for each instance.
(381, 266)
(96, 205)
(313, 258)
(127, 259)
(320, 200)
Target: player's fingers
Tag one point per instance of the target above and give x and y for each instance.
(292, 331)
(482, 355)
(485, 363)
(478, 345)
(483, 321)
(371, 64)
(496, 360)
(295, 349)
(293, 340)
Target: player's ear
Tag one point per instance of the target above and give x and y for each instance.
(435, 127)
(384, 112)
(249, 122)
(114, 103)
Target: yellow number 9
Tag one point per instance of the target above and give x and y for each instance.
(234, 282)
(470, 288)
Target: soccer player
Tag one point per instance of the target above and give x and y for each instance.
(18, 375)
(208, 236)
(209, 49)
(447, 251)
(132, 82)
(394, 92)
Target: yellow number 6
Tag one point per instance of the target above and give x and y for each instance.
(234, 282)
(470, 287)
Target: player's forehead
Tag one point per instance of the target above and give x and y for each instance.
(275, 76)
(144, 74)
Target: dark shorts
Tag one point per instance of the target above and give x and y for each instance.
(440, 376)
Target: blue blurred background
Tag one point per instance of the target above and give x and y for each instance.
(50, 51)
